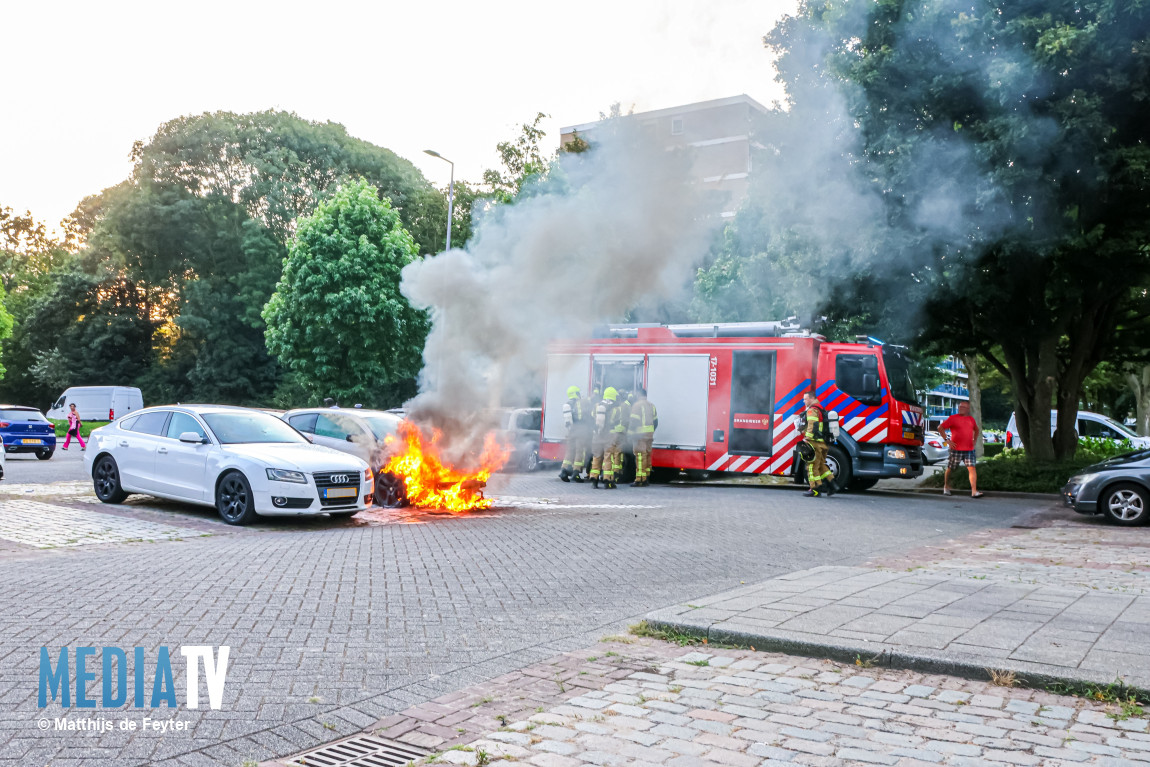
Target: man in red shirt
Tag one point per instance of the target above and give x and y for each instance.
(960, 431)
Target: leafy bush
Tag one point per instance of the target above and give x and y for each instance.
(1012, 470)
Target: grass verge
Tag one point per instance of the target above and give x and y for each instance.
(86, 428)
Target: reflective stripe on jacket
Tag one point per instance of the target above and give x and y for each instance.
(621, 418)
(815, 431)
(643, 416)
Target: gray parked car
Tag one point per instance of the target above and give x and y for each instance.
(355, 431)
(522, 428)
(1119, 488)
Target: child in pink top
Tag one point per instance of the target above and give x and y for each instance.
(74, 424)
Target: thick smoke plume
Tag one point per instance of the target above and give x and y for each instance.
(821, 216)
(615, 227)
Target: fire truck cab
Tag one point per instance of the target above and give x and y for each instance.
(727, 396)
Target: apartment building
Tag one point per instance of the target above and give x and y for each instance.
(718, 133)
(942, 400)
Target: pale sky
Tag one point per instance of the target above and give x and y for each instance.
(87, 79)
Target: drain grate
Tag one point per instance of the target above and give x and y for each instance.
(360, 751)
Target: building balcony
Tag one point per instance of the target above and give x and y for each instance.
(951, 391)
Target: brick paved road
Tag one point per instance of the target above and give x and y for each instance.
(753, 709)
(334, 625)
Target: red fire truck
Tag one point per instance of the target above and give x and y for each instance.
(727, 396)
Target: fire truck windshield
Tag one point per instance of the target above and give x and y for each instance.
(898, 375)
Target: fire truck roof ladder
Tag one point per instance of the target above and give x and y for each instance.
(768, 329)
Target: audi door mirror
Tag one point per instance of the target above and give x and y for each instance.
(192, 438)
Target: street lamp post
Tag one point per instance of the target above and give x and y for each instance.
(450, 192)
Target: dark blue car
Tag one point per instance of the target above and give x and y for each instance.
(26, 430)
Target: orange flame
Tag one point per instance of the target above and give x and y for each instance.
(433, 484)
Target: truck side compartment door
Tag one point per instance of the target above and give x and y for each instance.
(563, 370)
(678, 386)
(752, 403)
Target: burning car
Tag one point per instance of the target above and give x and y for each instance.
(411, 465)
(419, 472)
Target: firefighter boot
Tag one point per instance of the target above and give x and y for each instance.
(576, 478)
(828, 487)
(595, 482)
(565, 474)
(812, 493)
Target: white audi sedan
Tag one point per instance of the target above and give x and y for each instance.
(244, 462)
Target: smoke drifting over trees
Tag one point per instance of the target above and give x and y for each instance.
(610, 229)
(965, 177)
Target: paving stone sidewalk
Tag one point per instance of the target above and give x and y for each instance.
(1068, 601)
(655, 703)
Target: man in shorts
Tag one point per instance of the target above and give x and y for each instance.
(960, 431)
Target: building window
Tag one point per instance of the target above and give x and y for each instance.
(676, 126)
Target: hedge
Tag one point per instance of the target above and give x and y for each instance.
(1012, 470)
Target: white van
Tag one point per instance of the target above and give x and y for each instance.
(97, 403)
(1093, 425)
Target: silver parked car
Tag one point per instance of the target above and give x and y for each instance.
(934, 448)
(356, 431)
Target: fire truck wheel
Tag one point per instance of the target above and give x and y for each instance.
(840, 465)
(661, 475)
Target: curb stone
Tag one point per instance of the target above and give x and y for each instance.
(967, 666)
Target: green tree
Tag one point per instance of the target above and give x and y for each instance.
(337, 320)
(427, 217)
(84, 330)
(5, 328)
(205, 219)
(523, 162)
(1007, 147)
(29, 254)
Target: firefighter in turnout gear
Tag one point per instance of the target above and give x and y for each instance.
(817, 433)
(592, 402)
(624, 417)
(603, 440)
(575, 418)
(586, 427)
(644, 420)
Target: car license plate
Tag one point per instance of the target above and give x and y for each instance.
(339, 492)
(32, 441)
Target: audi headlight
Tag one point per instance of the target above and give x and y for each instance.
(287, 475)
(896, 453)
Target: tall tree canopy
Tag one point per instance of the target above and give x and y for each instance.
(337, 319)
(201, 229)
(992, 191)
